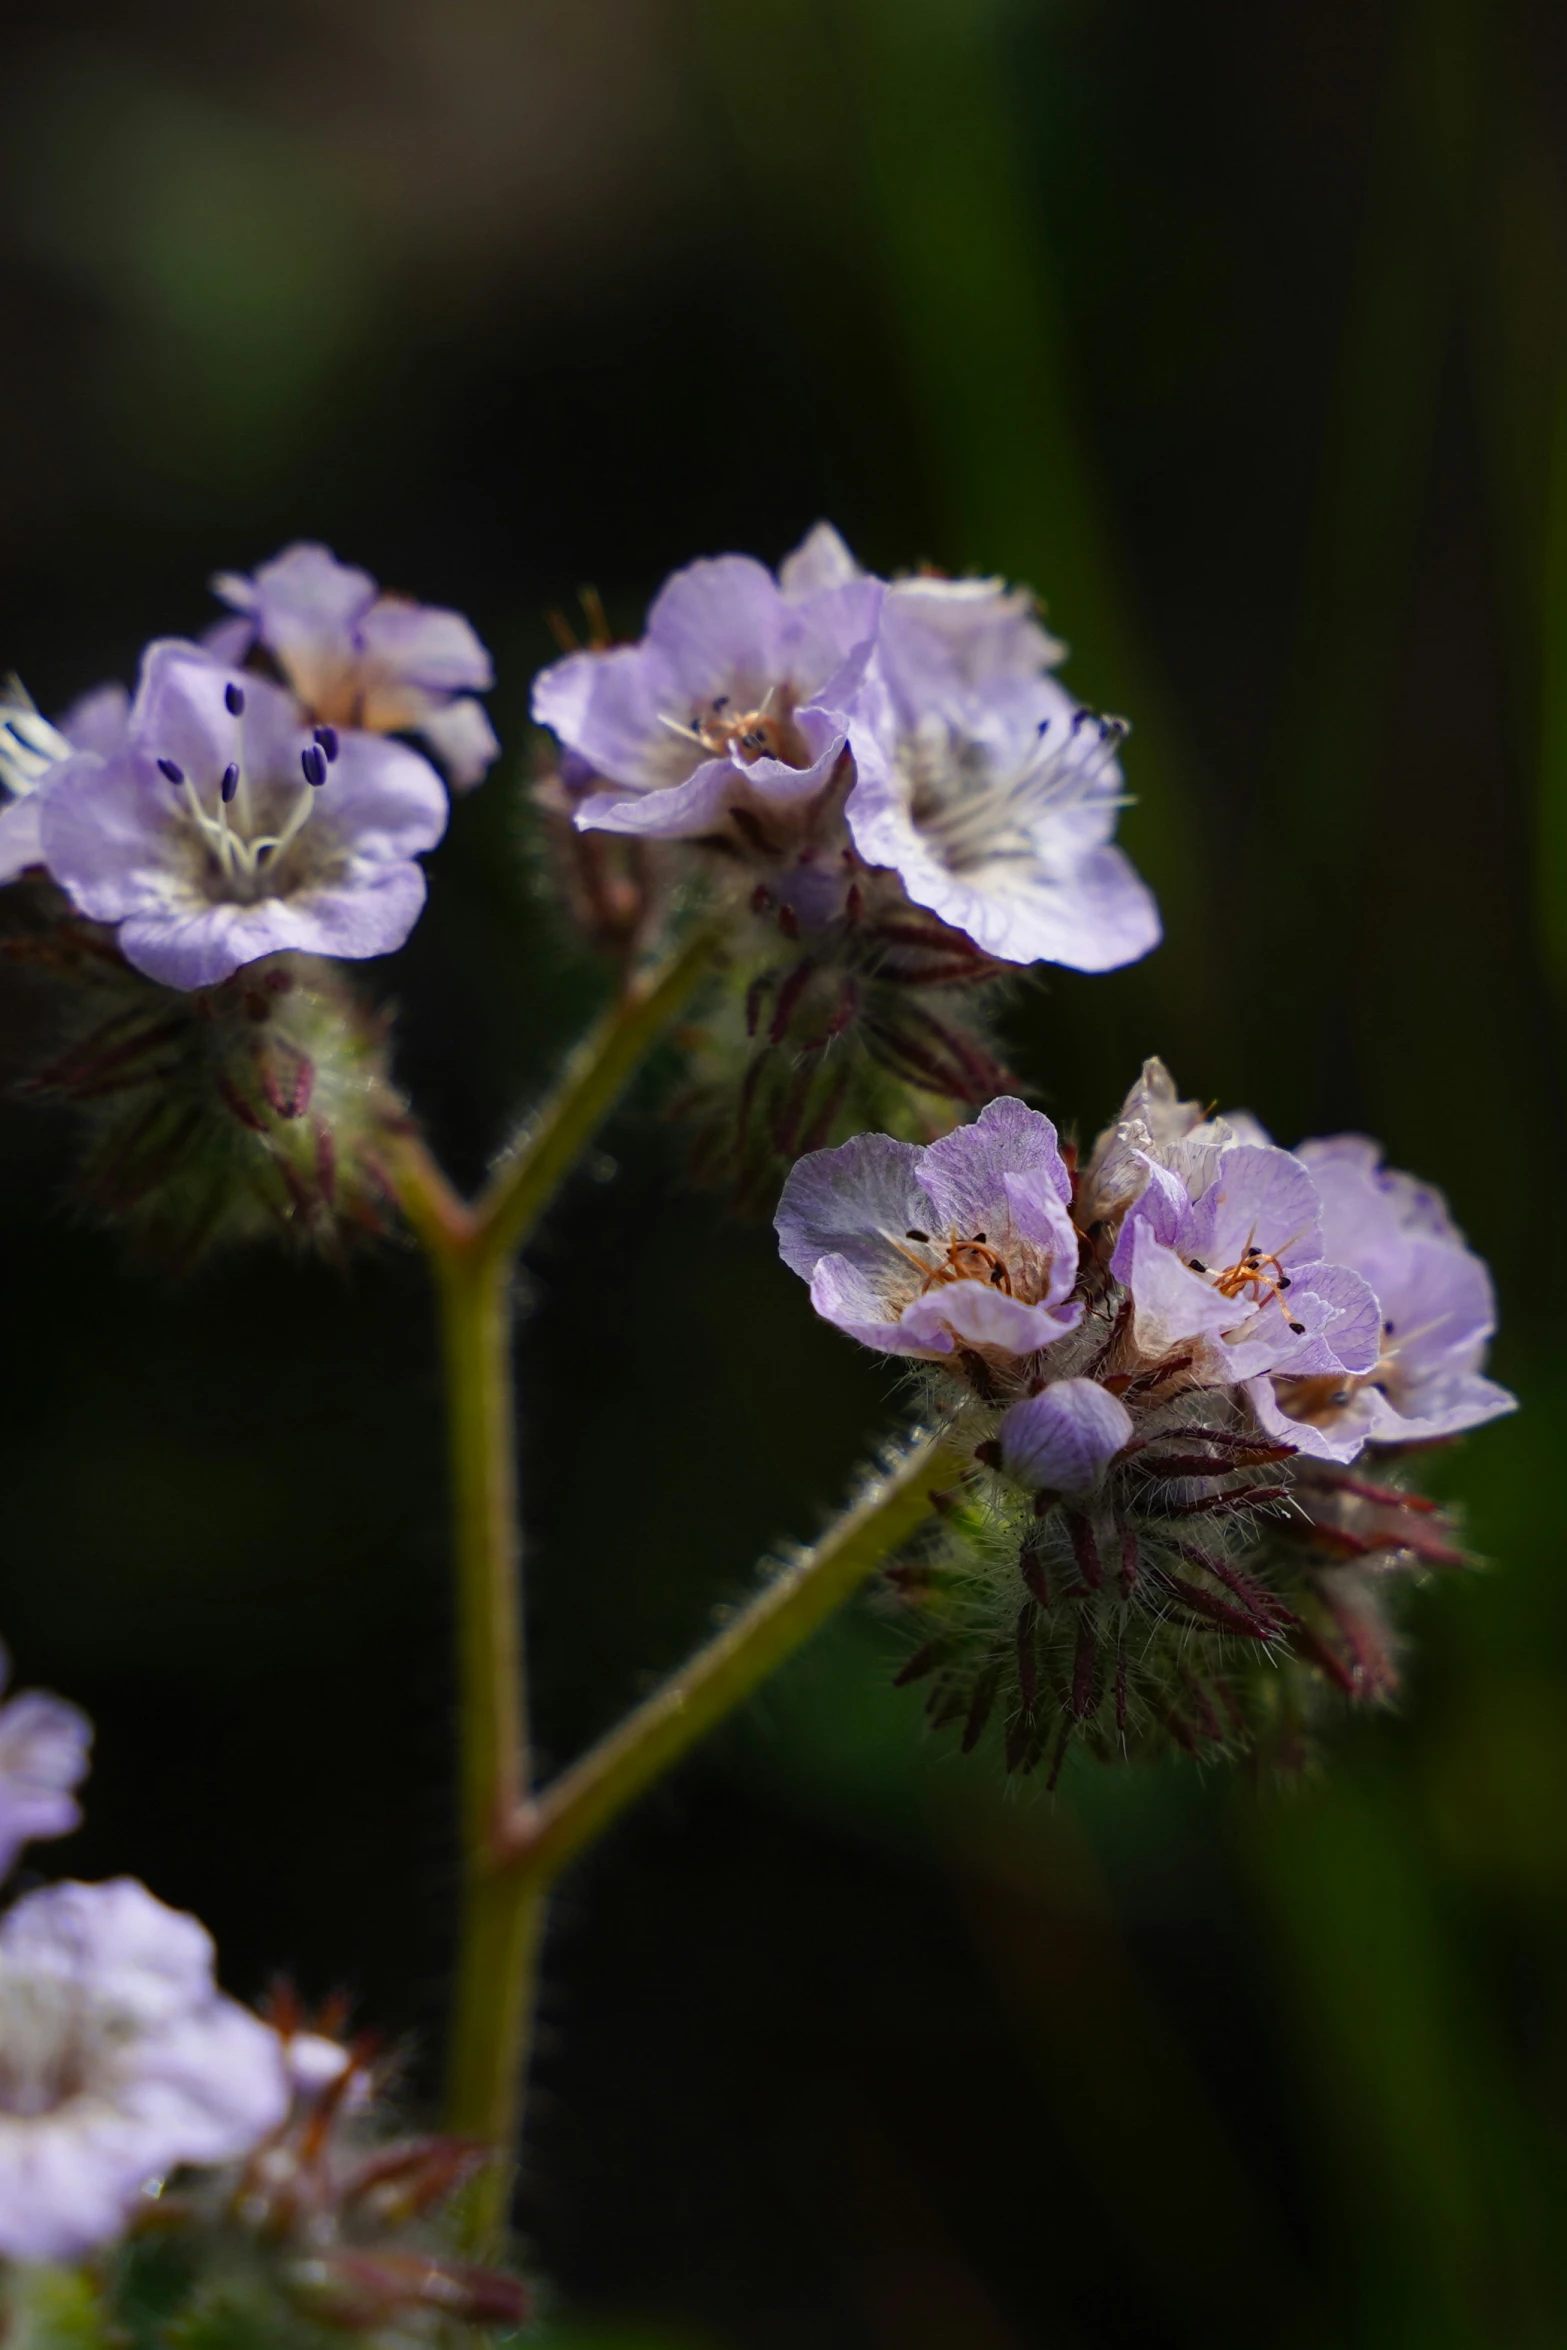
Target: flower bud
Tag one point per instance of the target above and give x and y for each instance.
(258, 1106)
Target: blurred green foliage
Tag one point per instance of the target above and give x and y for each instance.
(1240, 334)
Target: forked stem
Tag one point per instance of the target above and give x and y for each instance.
(515, 1843)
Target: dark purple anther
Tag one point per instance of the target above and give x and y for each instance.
(326, 736)
(230, 783)
(234, 699)
(168, 768)
(313, 760)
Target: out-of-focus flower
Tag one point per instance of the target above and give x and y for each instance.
(358, 658)
(44, 1745)
(729, 719)
(119, 2058)
(30, 751)
(225, 828)
(964, 1244)
(1437, 1316)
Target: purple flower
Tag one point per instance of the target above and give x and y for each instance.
(1063, 1439)
(43, 1756)
(996, 812)
(119, 2058)
(980, 781)
(225, 828)
(1437, 1314)
(30, 751)
(951, 636)
(965, 1243)
(360, 659)
(736, 699)
(1233, 1273)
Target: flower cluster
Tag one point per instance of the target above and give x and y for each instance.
(144, 2112)
(206, 850)
(1163, 1363)
(896, 791)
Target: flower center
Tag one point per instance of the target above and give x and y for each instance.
(1250, 1277)
(976, 812)
(250, 823)
(766, 732)
(960, 1260)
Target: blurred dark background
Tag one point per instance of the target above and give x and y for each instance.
(1240, 334)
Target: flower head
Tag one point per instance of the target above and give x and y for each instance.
(981, 783)
(225, 828)
(43, 1757)
(1437, 1316)
(358, 658)
(119, 2058)
(1237, 1271)
(964, 1244)
(730, 717)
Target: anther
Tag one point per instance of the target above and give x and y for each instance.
(313, 760)
(1387, 1329)
(326, 736)
(234, 699)
(912, 1234)
(175, 774)
(230, 784)
(1197, 1264)
(1299, 1329)
(1284, 1280)
(1043, 727)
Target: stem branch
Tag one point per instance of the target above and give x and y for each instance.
(547, 1831)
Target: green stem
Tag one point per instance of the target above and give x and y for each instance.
(548, 1831)
(527, 1178)
(514, 1844)
(498, 1937)
(471, 1248)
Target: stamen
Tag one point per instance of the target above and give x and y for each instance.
(234, 700)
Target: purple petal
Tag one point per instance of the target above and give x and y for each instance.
(1261, 1197)
(368, 915)
(821, 560)
(304, 593)
(98, 721)
(428, 646)
(964, 1171)
(463, 739)
(21, 835)
(854, 1202)
(980, 1316)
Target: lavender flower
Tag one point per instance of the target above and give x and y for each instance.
(1236, 1272)
(358, 658)
(965, 1244)
(119, 2058)
(30, 751)
(731, 713)
(980, 781)
(1437, 1307)
(43, 1755)
(226, 829)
